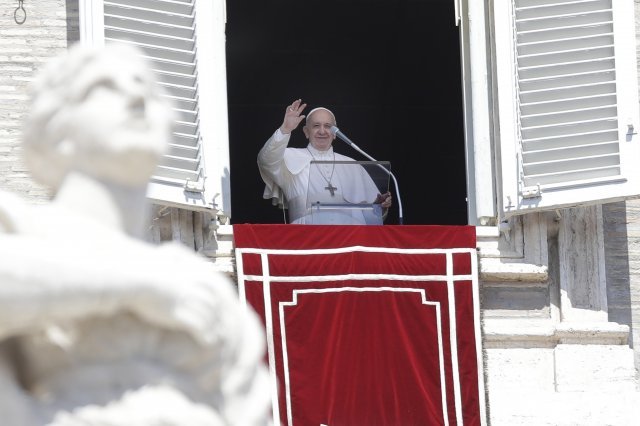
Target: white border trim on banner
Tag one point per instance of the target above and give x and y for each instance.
(478, 334)
(268, 318)
(422, 292)
(453, 336)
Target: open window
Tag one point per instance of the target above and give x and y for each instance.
(567, 103)
(183, 40)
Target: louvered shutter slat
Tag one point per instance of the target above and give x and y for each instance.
(564, 152)
(181, 163)
(183, 151)
(184, 104)
(569, 129)
(559, 165)
(134, 26)
(546, 9)
(562, 21)
(149, 39)
(172, 67)
(594, 53)
(584, 138)
(571, 104)
(152, 12)
(177, 176)
(560, 178)
(551, 119)
(179, 80)
(187, 116)
(566, 45)
(566, 33)
(561, 82)
(169, 55)
(565, 69)
(184, 127)
(575, 92)
(185, 140)
(184, 7)
(176, 91)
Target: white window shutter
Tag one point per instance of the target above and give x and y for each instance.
(183, 41)
(568, 103)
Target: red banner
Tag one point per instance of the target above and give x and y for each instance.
(367, 325)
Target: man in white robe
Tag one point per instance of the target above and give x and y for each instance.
(291, 178)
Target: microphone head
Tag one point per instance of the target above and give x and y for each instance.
(334, 130)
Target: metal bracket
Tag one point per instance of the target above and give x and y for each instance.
(558, 216)
(505, 229)
(532, 192)
(20, 14)
(191, 186)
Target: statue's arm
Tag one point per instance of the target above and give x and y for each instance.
(44, 281)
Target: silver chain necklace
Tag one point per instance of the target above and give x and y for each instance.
(329, 187)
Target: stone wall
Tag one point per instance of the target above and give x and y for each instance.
(622, 245)
(50, 27)
(633, 234)
(622, 248)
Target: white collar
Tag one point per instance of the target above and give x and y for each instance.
(317, 153)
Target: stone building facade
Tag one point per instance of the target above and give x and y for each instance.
(560, 288)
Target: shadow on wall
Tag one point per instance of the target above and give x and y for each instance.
(618, 271)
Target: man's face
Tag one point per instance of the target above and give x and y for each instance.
(318, 130)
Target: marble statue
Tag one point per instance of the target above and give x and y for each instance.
(98, 327)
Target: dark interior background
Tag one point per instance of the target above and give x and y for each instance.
(388, 69)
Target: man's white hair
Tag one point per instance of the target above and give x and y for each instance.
(321, 108)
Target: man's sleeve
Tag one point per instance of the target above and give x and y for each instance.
(271, 164)
(271, 156)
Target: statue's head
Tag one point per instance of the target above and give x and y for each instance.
(99, 112)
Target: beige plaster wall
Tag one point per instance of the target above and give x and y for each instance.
(50, 27)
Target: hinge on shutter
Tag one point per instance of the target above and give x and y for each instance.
(191, 186)
(532, 192)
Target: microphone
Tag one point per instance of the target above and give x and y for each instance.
(343, 137)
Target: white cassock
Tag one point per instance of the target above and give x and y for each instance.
(287, 172)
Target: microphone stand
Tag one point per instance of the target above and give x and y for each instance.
(344, 138)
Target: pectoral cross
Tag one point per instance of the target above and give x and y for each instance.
(331, 189)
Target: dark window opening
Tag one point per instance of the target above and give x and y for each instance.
(389, 70)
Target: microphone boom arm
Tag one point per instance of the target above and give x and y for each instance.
(344, 138)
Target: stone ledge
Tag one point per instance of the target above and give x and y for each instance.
(225, 230)
(599, 333)
(497, 271)
(518, 333)
(509, 408)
